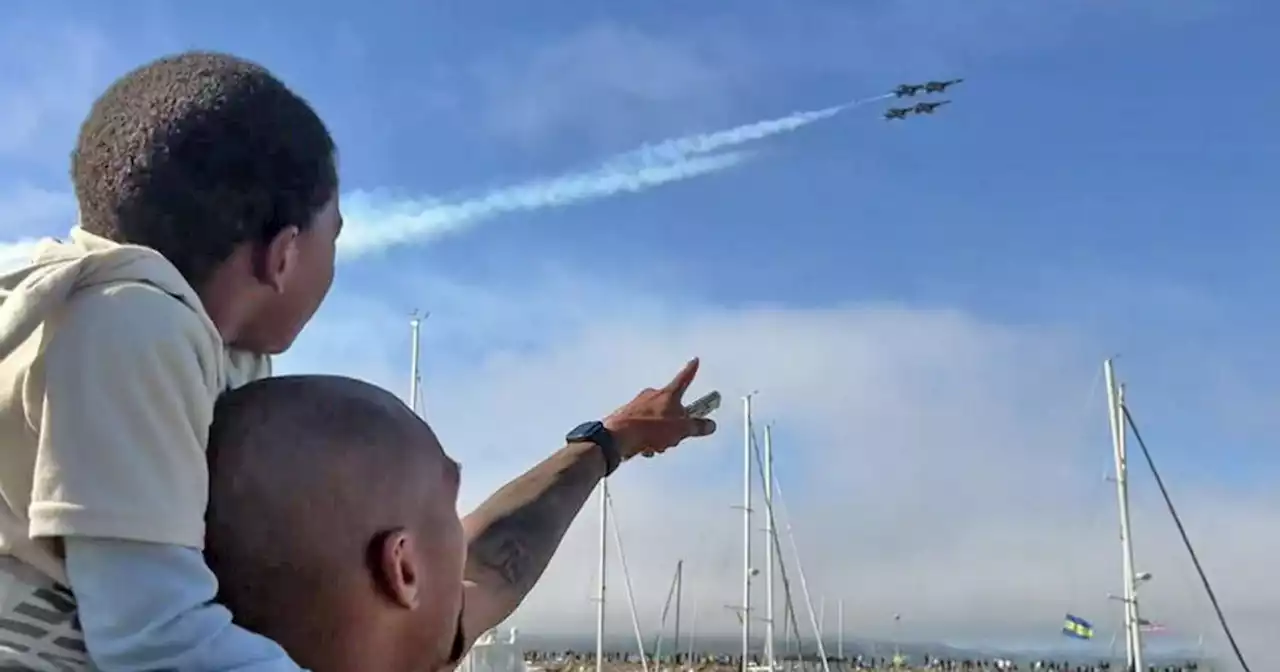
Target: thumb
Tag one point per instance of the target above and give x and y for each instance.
(700, 427)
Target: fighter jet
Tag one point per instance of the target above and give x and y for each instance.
(939, 87)
(908, 89)
(927, 108)
(897, 113)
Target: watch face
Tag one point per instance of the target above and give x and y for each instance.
(584, 432)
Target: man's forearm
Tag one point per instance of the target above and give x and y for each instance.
(512, 536)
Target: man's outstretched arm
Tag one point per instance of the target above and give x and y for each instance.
(512, 536)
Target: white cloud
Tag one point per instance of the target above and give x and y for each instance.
(936, 464)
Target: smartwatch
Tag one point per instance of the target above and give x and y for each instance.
(595, 432)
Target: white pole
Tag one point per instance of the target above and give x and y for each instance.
(693, 632)
(769, 536)
(415, 328)
(897, 650)
(1135, 616)
(746, 530)
(675, 641)
(840, 629)
(1131, 619)
(1133, 635)
(604, 546)
(822, 618)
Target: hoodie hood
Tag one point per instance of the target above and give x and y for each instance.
(59, 268)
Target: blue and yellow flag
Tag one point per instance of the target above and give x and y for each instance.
(1077, 627)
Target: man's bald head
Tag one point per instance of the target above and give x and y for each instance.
(331, 502)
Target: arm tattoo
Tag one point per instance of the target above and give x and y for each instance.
(513, 535)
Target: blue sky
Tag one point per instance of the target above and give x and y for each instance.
(1102, 184)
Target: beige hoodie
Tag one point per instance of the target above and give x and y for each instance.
(109, 370)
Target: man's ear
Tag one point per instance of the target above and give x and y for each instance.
(278, 259)
(394, 561)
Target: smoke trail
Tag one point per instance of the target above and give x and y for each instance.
(705, 143)
(382, 223)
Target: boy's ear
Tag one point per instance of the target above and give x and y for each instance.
(279, 258)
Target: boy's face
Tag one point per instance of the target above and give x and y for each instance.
(304, 262)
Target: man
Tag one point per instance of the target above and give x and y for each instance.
(333, 526)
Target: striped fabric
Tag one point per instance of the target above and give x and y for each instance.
(39, 627)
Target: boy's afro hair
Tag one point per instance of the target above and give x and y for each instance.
(195, 154)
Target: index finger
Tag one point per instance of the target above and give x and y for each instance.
(681, 382)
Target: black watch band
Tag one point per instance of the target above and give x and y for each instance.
(595, 432)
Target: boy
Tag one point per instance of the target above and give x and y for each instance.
(208, 197)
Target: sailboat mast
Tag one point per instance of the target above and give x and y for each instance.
(840, 630)
(1135, 617)
(769, 535)
(746, 530)
(675, 640)
(693, 633)
(604, 545)
(1133, 631)
(415, 375)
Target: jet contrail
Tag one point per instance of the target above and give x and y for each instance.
(379, 224)
(705, 143)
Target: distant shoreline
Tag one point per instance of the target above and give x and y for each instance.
(585, 645)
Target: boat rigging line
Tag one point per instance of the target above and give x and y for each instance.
(795, 552)
(672, 593)
(791, 625)
(1186, 541)
(626, 579)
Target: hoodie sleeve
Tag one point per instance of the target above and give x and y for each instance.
(130, 381)
(151, 607)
